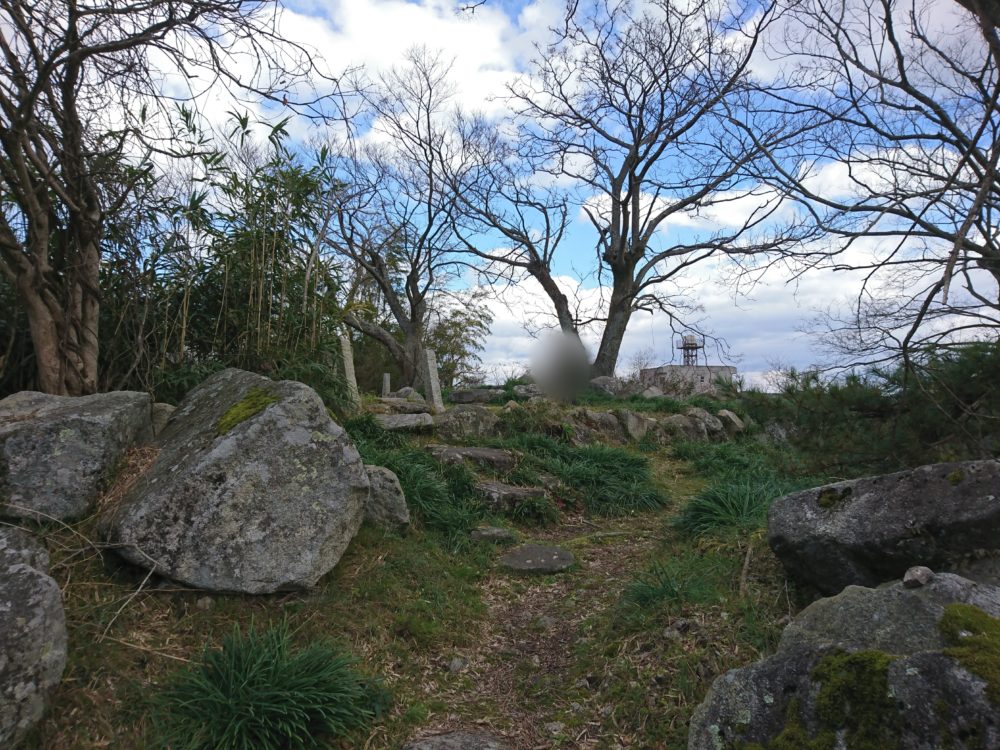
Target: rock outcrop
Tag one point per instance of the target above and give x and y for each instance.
(386, 506)
(866, 531)
(32, 634)
(57, 452)
(255, 490)
(893, 667)
(469, 421)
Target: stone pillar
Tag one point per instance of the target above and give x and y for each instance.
(432, 385)
(386, 389)
(347, 354)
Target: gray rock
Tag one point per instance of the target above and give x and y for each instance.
(260, 505)
(400, 406)
(466, 422)
(713, 425)
(608, 385)
(731, 423)
(491, 458)
(861, 638)
(981, 570)
(58, 452)
(161, 415)
(536, 558)
(495, 534)
(636, 426)
(867, 531)
(32, 634)
(917, 576)
(405, 422)
(410, 394)
(504, 498)
(474, 395)
(386, 506)
(604, 423)
(684, 428)
(459, 741)
(652, 392)
(528, 390)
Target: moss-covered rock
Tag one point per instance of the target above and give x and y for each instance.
(256, 400)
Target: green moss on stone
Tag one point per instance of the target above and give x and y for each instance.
(956, 477)
(974, 637)
(854, 696)
(831, 497)
(256, 400)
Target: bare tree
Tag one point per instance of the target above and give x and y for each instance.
(80, 83)
(634, 107)
(903, 101)
(393, 209)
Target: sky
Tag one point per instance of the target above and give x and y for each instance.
(766, 326)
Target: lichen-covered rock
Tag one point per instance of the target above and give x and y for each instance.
(474, 395)
(405, 422)
(161, 415)
(496, 459)
(32, 634)
(684, 427)
(866, 531)
(591, 426)
(466, 421)
(57, 452)
(255, 490)
(386, 506)
(507, 498)
(713, 425)
(893, 667)
(636, 426)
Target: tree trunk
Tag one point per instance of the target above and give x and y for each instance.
(619, 314)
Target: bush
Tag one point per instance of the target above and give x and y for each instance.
(257, 693)
(733, 503)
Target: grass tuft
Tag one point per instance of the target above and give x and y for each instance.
(257, 693)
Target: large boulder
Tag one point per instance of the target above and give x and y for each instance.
(713, 425)
(255, 490)
(893, 667)
(607, 385)
(386, 506)
(58, 452)
(32, 634)
(636, 426)
(866, 531)
(466, 422)
(590, 425)
(683, 427)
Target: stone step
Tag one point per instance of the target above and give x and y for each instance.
(504, 498)
(537, 558)
(405, 422)
(388, 405)
(491, 458)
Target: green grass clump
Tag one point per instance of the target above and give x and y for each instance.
(689, 579)
(258, 693)
(256, 400)
(733, 503)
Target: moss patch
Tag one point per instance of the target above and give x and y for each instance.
(975, 643)
(956, 477)
(256, 400)
(854, 696)
(831, 497)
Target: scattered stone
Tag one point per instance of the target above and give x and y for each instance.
(466, 422)
(652, 392)
(494, 534)
(713, 425)
(405, 422)
(917, 576)
(255, 490)
(528, 390)
(881, 667)
(607, 385)
(731, 423)
(555, 727)
(400, 406)
(408, 393)
(386, 506)
(636, 426)
(504, 498)
(867, 531)
(160, 416)
(457, 664)
(672, 635)
(32, 634)
(58, 452)
(684, 427)
(205, 603)
(459, 741)
(474, 395)
(491, 458)
(544, 622)
(535, 558)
